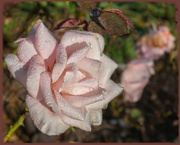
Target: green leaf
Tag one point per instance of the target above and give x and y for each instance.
(43, 3)
(135, 113)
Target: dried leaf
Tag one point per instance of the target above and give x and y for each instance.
(71, 23)
(93, 27)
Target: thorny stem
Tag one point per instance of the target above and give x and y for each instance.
(14, 127)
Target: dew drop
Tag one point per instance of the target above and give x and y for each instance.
(73, 39)
(90, 45)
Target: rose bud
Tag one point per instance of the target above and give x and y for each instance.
(135, 77)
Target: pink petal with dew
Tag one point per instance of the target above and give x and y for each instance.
(33, 30)
(74, 40)
(61, 60)
(58, 84)
(79, 76)
(84, 86)
(25, 49)
(45, 120)
(77, 90)
(90, 66)
(83, 100)
(68, 110)
(88, 82)
(17, 68)
(49, 98)
(85, 82)
(108, 66)
(45, 44)
(84, 125)
(96, 117)
(98, 37)
(112, 90)
(35, 68)
(78, 55)
(68, 78)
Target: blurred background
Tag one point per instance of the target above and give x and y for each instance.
(152, 119)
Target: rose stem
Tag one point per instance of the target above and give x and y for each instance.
(14, 127)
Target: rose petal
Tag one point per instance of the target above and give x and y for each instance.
(17, 68)
(35, 68)
(45, 44)
(77, 90)
(85, 82)
(84, 125)
(132, 87)
(136, 75)
(33, 30)
(78, 55)
(133, 91)
(61, 60)
(25, 49)
(79, 76)
(84, 86)
(58, 84)
(49, 98)
(107, 68)
(83, 100)
(98, 38)
(68, 110)
(88, 82)
(90, 66)
(96, 117)
(45, 120)
(112, 90)
(69, 76)
(65, 79)
(75, 40)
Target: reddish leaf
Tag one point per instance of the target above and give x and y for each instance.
(130, 24)
(93, 27)
(86, 5)
(71, 23)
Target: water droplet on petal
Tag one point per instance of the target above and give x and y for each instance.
(73, 39)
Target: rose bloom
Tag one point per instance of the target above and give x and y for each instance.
(155, 44)
(68, 82)
(135, 77)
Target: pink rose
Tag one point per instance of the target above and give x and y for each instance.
(68, 83)
(155, 44)
(135, 77)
